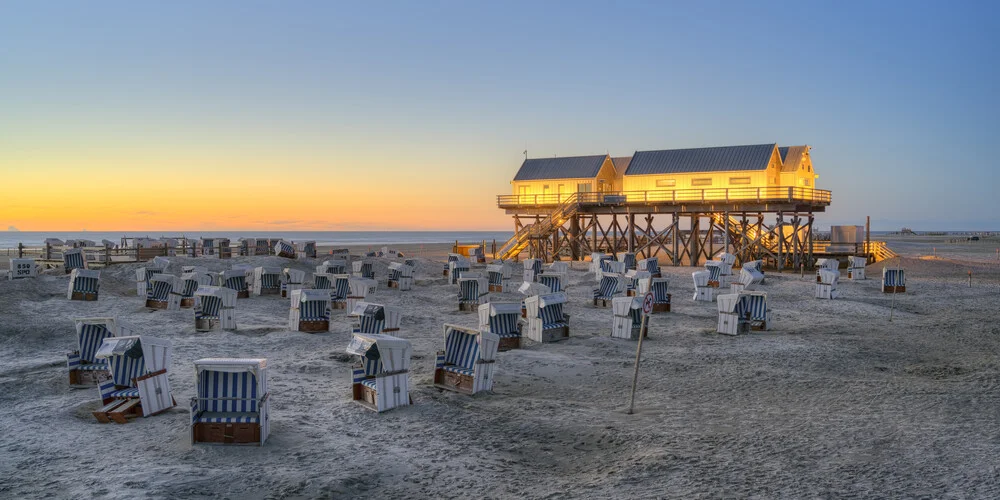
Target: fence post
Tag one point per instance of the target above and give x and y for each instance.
(20, 250)
(48, 251)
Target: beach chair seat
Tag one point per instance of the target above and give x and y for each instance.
(232, 402)
(380, 380)
(310, 311)
(84, 284)
(138, 366)
(552, 280)
(893, 280)
(611, 286)
(236, 280)
(502, 319)
(400, 276)
(546, 321)
(466, 365)
(471, 293)
(267, 280)
(74, 259)
(215, 307)
(650, 265)
(218, 417)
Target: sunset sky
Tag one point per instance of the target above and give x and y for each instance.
(414, 115)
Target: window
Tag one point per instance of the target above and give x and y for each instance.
(739, 181)
(662, 183)
(522, 190)
(704, 181)
(584, 188)
(804, 182)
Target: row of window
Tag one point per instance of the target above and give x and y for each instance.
(703, 181)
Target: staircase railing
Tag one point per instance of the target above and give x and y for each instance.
(512, 247)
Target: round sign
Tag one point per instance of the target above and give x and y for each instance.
(647, 303)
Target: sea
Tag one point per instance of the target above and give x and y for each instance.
(10, 239)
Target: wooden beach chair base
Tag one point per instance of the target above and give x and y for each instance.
(88, 378)
(245, 294)
(315, 326)
(85, 296)
(206, 324)
(187, 303)
(444, 379)
(365, 396)
(602, 302)
(894, 289)
(270, 291)
(224, 433)
(156, 304)
(468, 306)
(661, 308)
(508, 343)
(555, 334)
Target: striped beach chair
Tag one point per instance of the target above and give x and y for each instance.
(471, 293)
(85, 370)
(363, 269)
(715, 275)
(400, 276)
(532, 268)
(143, 274)
(267, 280)
(632, 278)
(358, 290)
(190, 282)
(138, 386)
(206, 246)
(828, 264)
(893, 280)
(743, 312)
(499, 276)
(380, 380)
(310, 311)
(596, 258)
(164, 292)
(611, 286)
(477, 255)
(554, 281)
(650, 265)
(236, 280)
(308, 250)
(856, 265)
(749, 280)
(827, 288)
(84, 284)
(504, 320)
(225, 251)
(263, 246)
(233, 402)
(74, 259)
(284, 249)
(660, 287)
(558, 267)
(702, 291)
(627, 318)
(609, 266)
(215, 307)
(333, 266)
(291, 279)
(368, 317)
(390, 253)
(340, 291)
(457, 268)
(466, 364)
(545, 317)
(628, 259)
(323, 281)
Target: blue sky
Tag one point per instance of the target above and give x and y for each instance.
(897, 99)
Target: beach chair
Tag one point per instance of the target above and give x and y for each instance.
(627, 318)
(323, 281)
(363, 269)
(552, 280)
(284, 249)
(84, 284)
(856, 267)
(400, 276)
(611, 286)
(827, 286)
(545, 317)
(232, 405)
(609, 266)
(390, 253)
(532, 268)
(650, 265)
(236, 280)
(558, 267)
(22, 268)
(267, 280)
(717, 275)
(358, 290)
(756, 266)
(308, 250)
(244, 247)
(596, 259)
(215, 307)
(380, 381)
(143, 274)
(190, 282)
(310, 311)
(224, 250)
(139, 386)
(499, 275)
(829, 264)
(74, 259)
(893, 280)
(471, 293)
(291, 279)
(340, 290)
(743, 312)
(632, 278)
(529, 289)
(476, 255)
(368, 317)
(702, 291)
(466, 365)
(452, 257)
(263, 247)
(85, 370)
(504, 320)
(660, 289)
(164, 292)
(457, 268)
(749, 279)
(207, 246)
(628, 259)
(334, 266)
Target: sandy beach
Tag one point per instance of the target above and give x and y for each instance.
(834, 401)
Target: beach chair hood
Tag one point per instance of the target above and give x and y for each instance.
(393, 353)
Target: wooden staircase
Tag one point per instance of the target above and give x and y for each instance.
(542, 229)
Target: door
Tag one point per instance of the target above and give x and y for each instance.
(154, 392)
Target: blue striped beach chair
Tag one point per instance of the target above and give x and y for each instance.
(504, 320)
(85, 370)
(308, 249)
(457, 268)
(190, 282)
(164, 292)
(471, 293)
(632, 278)
(702, 291)
(291, 279)
(596, 260)
(611, 286)
(380, 380)
(829, 264)
(400, 276)
(856, 265)
(284, 249)
(367, 317)
(714, 269)
(340, 291)
(660, 288)
(236, 280)
(74, 259)
(452, 257)
(828, 285)
(225, 251)
(263, 246)
(267, 280)
(893, 280)
(628, 259)
(499, 275)
(143, 274)
(138, 385)
(552, 280)
(609, 266)
(545, 317)
(310, 311)
(650, 265)
(466, 364)
(207, 246)
(358, 290)
(363, 269)
(233, 402)
(84, 284)
(333, 266)
(532, 268)
(215, 307)
(743, 312)
(627, 318)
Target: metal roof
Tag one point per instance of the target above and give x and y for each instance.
(791, 157)
(717, 159)
(621, 162)
(573, 167)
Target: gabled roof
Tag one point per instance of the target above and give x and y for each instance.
(573, 167)
(717, 159)
(791, 157)
(621, 162)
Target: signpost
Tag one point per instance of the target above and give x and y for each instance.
(647, 307)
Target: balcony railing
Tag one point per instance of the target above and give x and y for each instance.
(762, 195)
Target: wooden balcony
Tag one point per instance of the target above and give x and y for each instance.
(732, 196)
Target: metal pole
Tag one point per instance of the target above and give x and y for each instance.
(638, 356)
